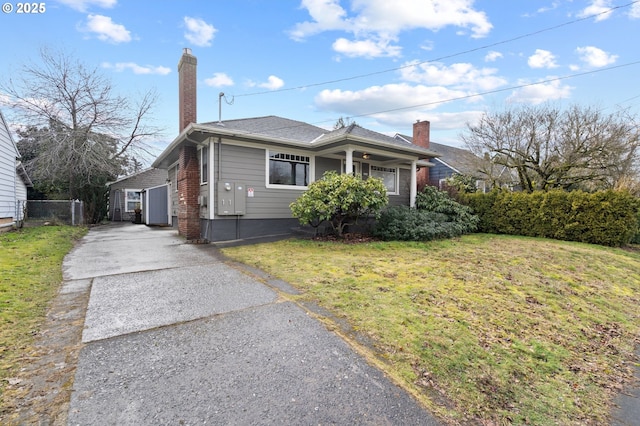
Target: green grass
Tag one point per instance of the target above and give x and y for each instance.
(30, 277)
(484, 328)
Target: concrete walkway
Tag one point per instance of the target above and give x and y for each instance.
(173, 336)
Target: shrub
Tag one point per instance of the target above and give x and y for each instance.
(606, 217)
(340, 200)
(436, 216)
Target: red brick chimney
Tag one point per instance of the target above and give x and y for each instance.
(421, 130)
(187, 89)
(189, 170)
(188, 191)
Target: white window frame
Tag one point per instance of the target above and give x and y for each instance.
(268, 154)
(177, 169)
(204, 165)
(136, 200)
(396, 171)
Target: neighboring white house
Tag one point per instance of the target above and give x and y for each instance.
(13, 180)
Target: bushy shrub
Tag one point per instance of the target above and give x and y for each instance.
(436, 216)
(605, 217)
(340, 200)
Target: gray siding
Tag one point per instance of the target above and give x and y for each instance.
(247, 166)
(326, 164)
(8, 177)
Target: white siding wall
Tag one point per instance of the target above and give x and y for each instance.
(8, 155)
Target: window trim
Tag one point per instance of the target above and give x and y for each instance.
(268, 153)
(397, 177)
(126, 199)
(177, 170)
(204, 165)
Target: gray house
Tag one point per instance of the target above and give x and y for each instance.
(14, 180)
(127, 193)
(235, 179)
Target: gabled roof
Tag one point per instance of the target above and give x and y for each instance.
(282, 132)
(132, 175)
(273, 127)
(460, 160)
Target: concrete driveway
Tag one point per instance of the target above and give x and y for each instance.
(175, 336)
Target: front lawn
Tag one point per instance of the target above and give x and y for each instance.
(483, 329)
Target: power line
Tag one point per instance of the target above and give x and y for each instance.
(504, 89)
(453, 55)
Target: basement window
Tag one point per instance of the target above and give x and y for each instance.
(288, 169)
(389, 177)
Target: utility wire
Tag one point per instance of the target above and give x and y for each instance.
(520, 86)
(453, 55)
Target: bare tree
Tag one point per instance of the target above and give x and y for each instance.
(547, 148)
(82, 133)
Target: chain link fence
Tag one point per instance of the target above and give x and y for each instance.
(67, 212)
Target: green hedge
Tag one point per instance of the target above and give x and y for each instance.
(608, 218)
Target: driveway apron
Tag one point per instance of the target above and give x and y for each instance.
(174, 336)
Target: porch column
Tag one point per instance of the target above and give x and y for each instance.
(348, 167)
(414, 185)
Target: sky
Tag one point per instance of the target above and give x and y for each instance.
(383, 64)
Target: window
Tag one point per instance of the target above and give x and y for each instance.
(132, 199)
(288, 169)
(204, 165)
(176, 176)
(388, 176)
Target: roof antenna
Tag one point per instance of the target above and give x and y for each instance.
(220, 96)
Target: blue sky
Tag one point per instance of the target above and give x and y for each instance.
(385, 64)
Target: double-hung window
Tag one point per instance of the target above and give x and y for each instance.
(288, 169)
(389, 177)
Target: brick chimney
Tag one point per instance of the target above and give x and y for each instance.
(187, 89)
(189, 170)
(421, 130)
(188, 191)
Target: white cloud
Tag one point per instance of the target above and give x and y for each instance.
(106, 29)
(219, 79)
(459, 75)
(365, 48)
(198, 31)
(540, 93)
(599, 8)
(542, 59)
(594, 57)
(634, 13)
(492, 56)
(272, 83)
(137, 69)
(83, 5)
(382, 20)
(384, 98)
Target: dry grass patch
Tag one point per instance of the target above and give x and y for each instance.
(485, 328)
